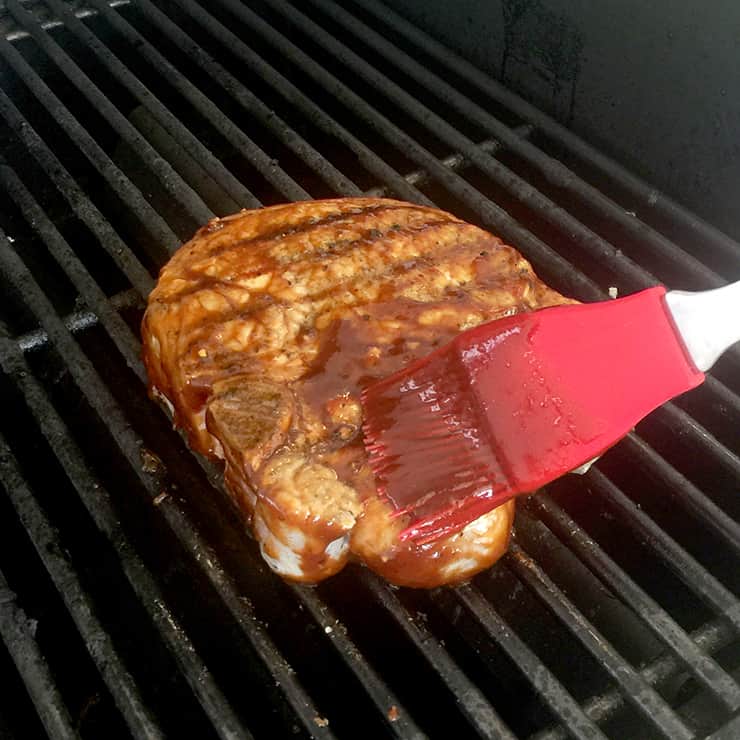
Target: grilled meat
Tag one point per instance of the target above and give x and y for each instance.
(263, 329)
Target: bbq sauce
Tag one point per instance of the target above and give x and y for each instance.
(368, 344)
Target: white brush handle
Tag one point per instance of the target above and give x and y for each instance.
(708, 321)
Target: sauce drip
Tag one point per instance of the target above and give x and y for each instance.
(368, 344)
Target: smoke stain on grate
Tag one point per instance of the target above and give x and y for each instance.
(547, 44)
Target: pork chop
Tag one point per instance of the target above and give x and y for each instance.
(263, 329)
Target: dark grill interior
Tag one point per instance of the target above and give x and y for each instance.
(131, 603)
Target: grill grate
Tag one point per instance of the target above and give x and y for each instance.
(126, 125)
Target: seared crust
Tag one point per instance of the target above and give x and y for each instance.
(263, 329)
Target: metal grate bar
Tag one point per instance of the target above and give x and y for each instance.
(130, 195)
(454, 162)
(542, 207)
(674, 417)
(252, 153)
(402, 725)
(548, 687)
(490, 213)
(100, 398)
(172, 182)
(725, 396)
(17, 632)
(625, 589)
(551, 169)
(98, 503)
(81, 320)
(473, 703)
(649, 197)
(725, 518)
(80, 203)
(18, 33)
(78, 320)
(95, 298)
(210, 166)
(501, 175)
(383, 698)
(572, 277)
(89, 290)
(139, 719)
(689, 496)
(130, 349)
(687, 568)
(251, 103)
(731, 731)
(188, 537)
(709, 638)
(314, 113)
(652, 706)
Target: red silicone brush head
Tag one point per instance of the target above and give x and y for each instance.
(511, 405)
(427, 445)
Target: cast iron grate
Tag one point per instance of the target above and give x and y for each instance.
(130, 602)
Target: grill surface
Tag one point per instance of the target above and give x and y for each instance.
(130, 601)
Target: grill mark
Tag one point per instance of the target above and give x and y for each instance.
(311, 223)
(299, 251)
(439, 255)
(206, 325)
(247, 312)
(199, 281)
(397, 268)
(406, 233)
(328, 290)
(390, 270)
(373, 235)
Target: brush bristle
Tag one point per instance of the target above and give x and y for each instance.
(427, 443)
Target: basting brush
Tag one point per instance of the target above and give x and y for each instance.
(510, 405)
